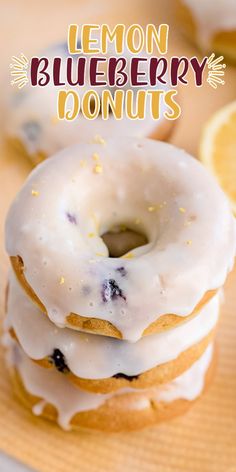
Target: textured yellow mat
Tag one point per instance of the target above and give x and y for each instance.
(204, 440)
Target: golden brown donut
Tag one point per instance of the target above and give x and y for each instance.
(160, 374)
(116, 414)
(104, 327)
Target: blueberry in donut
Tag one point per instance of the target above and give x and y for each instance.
(32, 130)
(124, 376)
(58, 359)
(111, 291)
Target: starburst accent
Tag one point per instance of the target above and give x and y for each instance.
(19, 67)
(215, 71)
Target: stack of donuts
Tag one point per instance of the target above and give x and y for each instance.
(115, 343)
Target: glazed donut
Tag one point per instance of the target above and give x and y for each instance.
(49, 395)
(212, 25)
(104, 364)
(55, 224)
(33, 127)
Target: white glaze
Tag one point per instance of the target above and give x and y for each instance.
(191, 245)
(212, 16)
(35, 108)
(55, 389)
(95, 357)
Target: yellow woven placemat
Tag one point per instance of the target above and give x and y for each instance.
(204, 440)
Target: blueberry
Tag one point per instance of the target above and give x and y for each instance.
(122, 271)
(86, 289)
(71, 218)
(32, 130)
(19, 97)
(127, 377)
(64, 48)
(111, 291)
(59, 360)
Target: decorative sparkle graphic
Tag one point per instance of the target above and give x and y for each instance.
(19, 68)
(215, 71)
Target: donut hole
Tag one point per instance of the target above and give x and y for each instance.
(121, 240)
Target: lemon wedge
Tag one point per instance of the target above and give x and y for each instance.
(218, 149)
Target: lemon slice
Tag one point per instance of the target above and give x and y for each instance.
(218, 149)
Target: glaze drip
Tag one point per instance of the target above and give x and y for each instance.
(54, 388)
(93, 356)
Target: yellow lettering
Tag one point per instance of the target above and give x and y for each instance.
(87, 41)
(158, 37)
(116, 34)
(140, 104)
(173, 105)
(112, 104)
(63, 97)
(130, 38)
(91, 105)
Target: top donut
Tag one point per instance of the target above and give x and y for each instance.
(55, 224)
